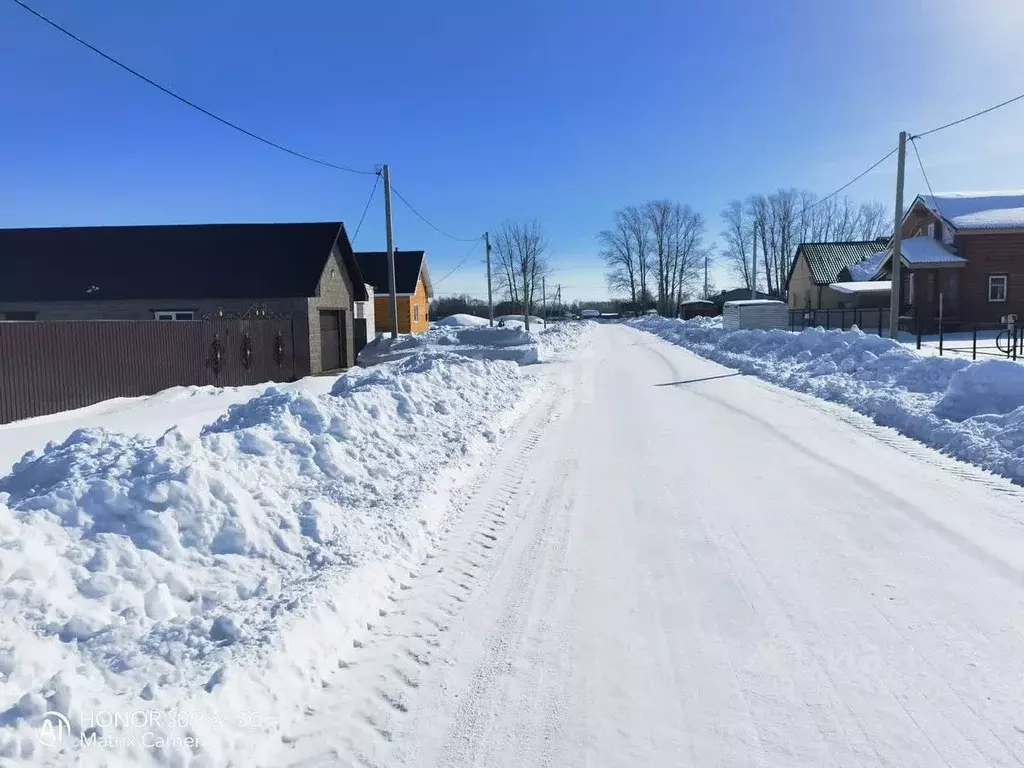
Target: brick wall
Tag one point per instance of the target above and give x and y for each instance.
(334, 291)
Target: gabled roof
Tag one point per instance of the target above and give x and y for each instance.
(180, 261)
(827, 260)
(867, 269)
(924, 251)
(409, 265)
(978, 210)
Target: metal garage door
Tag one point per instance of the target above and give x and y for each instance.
(330, 339)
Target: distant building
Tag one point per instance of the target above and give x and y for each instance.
(737, 294)
(412, 286)
(818, 265)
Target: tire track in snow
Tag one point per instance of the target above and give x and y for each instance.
(367, 700)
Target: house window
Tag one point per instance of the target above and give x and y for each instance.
(931, 229)
(947, 235)
(997, 287)
(173, 314)
(19, 315)
(360, 310)
(415, 313)
(910, 289)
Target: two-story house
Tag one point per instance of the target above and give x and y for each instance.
(966, 251)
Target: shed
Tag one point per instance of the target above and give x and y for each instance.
(765, 314)
(698, 308)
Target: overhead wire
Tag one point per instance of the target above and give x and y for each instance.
(366, 208)
(460, 264)
(924, 173)
(985, 111)
(188, 102)
(429, 223)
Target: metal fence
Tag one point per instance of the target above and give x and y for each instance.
(46, 367)
(986, 339)
(868, 320)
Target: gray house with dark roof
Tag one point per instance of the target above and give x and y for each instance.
(181, 273)
(817, 265)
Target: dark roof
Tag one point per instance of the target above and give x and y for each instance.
(827, 260)
(195, 261)
(735, 294)
(408, 264)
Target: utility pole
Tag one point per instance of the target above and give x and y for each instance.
(705, 276)
(393, 306)
(558, 305)
(897, 242)
(490, 296)
(544, 299)
(753, 266)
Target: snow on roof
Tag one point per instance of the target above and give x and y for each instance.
(751, 302)
(867, 269)
(695, 301)
(980, 210)
(870, 286)
(927, 250)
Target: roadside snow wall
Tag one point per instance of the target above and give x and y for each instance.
(218, 576)
(971, 411)
(483, 343)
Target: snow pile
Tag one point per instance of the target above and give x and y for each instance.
(461, 320)
(866, 270)
(512, 342)
(218, 576)
(971, 411)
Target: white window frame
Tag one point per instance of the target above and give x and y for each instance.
(174, 314)
(993, 281)
(415, 313)
(910, 289)
(931, 229)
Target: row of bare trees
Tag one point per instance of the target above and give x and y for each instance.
(654, 250)
(521, 261)
(772, 226)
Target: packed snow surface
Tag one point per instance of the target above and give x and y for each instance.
(219, 574)
(461, 320)
(972, 411)
(512, 342)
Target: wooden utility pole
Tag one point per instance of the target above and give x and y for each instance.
(544, 299)
(897, 242)
(393, 298)
(490, 295)
(705, 276)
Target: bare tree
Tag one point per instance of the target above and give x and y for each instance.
(521, 252)
(638, 232)
(874, 221)
(738, 238)
(686, 252)
(620, 257)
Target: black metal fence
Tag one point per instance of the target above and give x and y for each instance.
(997, 339)
(46, 367)
(867, 319)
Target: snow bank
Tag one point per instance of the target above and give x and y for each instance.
(972, 411)
(193, 590)
(461, 320)
(482, 343)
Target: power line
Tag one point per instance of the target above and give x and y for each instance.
(425, 220)
(969, 117)
(365, 209)
(924, 173)
(848, 184)
(185, 101)
(459, 265)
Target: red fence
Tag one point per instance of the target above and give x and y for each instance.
(47, 367)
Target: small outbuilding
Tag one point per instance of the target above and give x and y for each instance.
(765, 314)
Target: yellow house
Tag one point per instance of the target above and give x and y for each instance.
(412, 288)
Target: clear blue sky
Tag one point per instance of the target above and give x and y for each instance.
(543, 109)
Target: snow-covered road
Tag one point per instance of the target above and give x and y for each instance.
(672, 564)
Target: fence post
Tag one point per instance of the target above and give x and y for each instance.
(859, 317)
(974, 343)
(828, 319)
(917, 327)
(879, 321)
(940, 336)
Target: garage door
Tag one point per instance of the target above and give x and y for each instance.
(330, 339)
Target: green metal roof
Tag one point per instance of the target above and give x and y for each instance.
(827, 260)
